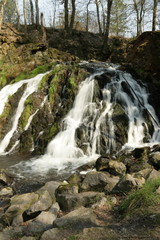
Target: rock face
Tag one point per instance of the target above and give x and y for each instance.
(143, 56)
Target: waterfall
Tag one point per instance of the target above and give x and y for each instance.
(102, 121)
(31, 86)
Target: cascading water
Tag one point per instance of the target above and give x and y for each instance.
(31, 86)
(102, 121)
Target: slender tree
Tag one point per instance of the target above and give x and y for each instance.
(109, 7)
(37, 12)
(24, 14)
(18, 14)
(139, 7)
(32, 11)
(98, 16)
(66, 17)
(155, 4)
(87, 15)
(73, 14)
(2, 4)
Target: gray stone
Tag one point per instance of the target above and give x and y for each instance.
(73, 201)
(6, 191)
(51, 188)
(19, 204)
(126, 184)
(155, 160)
(96, 181)
(154, 175)
(79, 218)
(43, 203)
(143, 173)
(50, 234)
(54, 208)
(46, 218)
(28, 238)
(4, 177)
(116, 168)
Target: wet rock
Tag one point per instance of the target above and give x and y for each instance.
(154, 160)
(73, 201)
(96, 181)
(28, 238)
(79, 218)
(75, 178)
(11, 233)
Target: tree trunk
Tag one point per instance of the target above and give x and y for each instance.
(98, 17)
(32, 12)
(87, 17)
(109, 6)
(104, 17)
(73, 14)
(139, 15)
(37, 13)
(44, 38)
(18, 15)
(54, 14)
(24, 14)
(154, 15)
(2, 4)
(66, 14)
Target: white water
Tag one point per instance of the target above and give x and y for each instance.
(31, 86)
(64, 152)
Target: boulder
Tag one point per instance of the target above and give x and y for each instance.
(6, 191)
(154, 175)
(143, 173)
(67, 189)
(79, 218)
(97, 181)
(43, 203)
(102, 163)
(73, 201)
(154, 159)
(116, 168)
(5, 178)
(127, 183)
(46, 218)
(50, 234)
(18, 205)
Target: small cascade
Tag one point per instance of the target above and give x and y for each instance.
(31, 86)
(110, 113)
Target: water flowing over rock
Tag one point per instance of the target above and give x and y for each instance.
(110, 113)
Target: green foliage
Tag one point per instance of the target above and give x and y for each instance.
(6, 111)
(141, 199)
(73, 237)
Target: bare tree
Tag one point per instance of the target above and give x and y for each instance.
(139, 7)
(66, 18)
(24, 14)
(98, 16)
(18, 14)
(103, 16)
(32, 11)
(73, 14)
(87, 15)
(2, 4)
(37, 13)
(155, 4)
(109, 6)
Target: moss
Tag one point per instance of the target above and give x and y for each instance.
(5, 112)
(26, 112)
(53, 130)
(36, 71)
(141, 199)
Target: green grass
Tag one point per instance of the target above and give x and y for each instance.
(141, 199)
